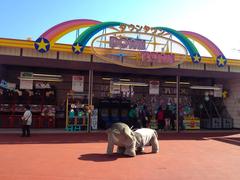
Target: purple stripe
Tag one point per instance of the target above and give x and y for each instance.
(214, 49)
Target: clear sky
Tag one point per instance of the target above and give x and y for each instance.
(217, 20)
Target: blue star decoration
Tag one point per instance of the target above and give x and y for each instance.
(221, 61)
(77, 48)
(42, 45)
(196, 58)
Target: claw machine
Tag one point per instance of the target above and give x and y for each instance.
(77, 112)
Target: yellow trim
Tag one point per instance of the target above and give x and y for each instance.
(16, 43)
(204, 45)
(134, 54)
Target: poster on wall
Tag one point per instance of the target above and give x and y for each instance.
(42, 85)
(125, 91)
(114, 89)
(26, 84)
(94, 119)
(7, 85)
(154, 87)
(218, 92)
(77, 83)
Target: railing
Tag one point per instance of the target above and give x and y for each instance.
(205, 108)
(215, 107)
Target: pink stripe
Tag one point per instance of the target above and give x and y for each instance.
(216, 51)
(59, 28)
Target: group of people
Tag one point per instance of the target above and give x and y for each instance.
(138, 117)
(165, 118)
(141, 117)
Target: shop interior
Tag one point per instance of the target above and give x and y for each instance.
(55, 105)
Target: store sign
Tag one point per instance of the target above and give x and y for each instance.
(128, 43)
(77, 83)
(7, 85)
(164, 58)
(154, 88)
(26, 74)
(139, 47)
(114, 89)
(26, 84)
(42, 85)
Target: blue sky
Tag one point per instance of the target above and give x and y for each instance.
(215, 19)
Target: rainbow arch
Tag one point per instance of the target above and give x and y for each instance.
(83, 39)
(205, 42)
(56, 32)
(186, 42)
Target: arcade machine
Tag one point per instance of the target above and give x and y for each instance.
(124, 108)
(115, 110)
(104, 113)
(77, 117)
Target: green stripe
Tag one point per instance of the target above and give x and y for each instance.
(181, 37)
(93, 30)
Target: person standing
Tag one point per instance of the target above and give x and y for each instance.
(160, 119)
(26, 121)
(144, 116)
(133, 117)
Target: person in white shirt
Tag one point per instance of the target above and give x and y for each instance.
(26, 121)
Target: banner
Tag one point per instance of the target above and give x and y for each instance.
(42, 85)
(154, 87)
(26, 84)
(114, 89)
(7, 85)
(77, 83)
(125, 91)
(218, 93)
(94, 119)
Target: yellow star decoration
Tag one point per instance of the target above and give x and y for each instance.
(42, 45)
(221, 61)
(196, 58)
(77, 48)
(224, 94)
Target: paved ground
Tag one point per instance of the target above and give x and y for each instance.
(190, 156)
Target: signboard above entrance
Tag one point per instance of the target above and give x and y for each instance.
(131, 38)
(138, 48)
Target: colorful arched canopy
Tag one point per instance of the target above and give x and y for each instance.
(205, 42)
(49, 37)
(83, 39)
(59, 30)
(186, 42)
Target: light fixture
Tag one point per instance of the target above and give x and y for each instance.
(106, 78)
(130, 83)
(174, 82)
(40, 79)
(47, 75)
(124, 79)
(121, 79)
(206, 87)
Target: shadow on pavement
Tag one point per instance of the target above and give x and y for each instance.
(102, 137)
(229, 140)
(100, 157)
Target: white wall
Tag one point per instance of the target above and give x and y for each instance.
(233, 100)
